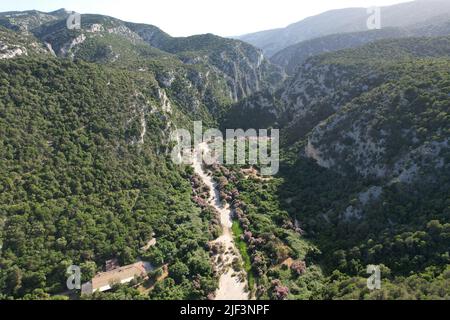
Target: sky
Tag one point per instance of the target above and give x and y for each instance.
(189, 17)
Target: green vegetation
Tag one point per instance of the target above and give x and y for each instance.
(86, 174)
(29, 45)
(243, 249)
(405, 115)
(269, 242)
(78, 188)
(378, 118)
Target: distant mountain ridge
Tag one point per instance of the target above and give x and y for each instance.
(343, 21)
(292, 57)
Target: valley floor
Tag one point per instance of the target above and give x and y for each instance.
(231, 285)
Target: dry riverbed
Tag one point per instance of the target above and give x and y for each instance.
(232, 285)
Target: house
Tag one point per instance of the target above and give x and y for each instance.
(105, 280)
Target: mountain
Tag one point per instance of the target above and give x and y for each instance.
(85, 119)
(29, 20)
(385, 131)
(109, 40)
(325, 83)
(86, 173)
(85, 176)
(397, 119)
(364, 170)
(15, 44)
(344, 21)
(294, 56)
(393, 89)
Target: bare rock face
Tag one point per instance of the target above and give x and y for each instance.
(16, 44)
(7, 52)
(68, 47)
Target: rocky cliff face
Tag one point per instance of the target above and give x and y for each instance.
(383, 134)
(376, 127)
(14, 44)
(356, 111)
(243, 67)
(206, 70)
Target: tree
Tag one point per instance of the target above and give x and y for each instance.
(178, 271)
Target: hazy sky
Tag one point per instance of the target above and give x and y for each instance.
(188, 17)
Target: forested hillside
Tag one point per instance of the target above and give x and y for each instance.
(241, 68)
(82, 182)
(86, 169)
(86, 174)
(365, 169)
